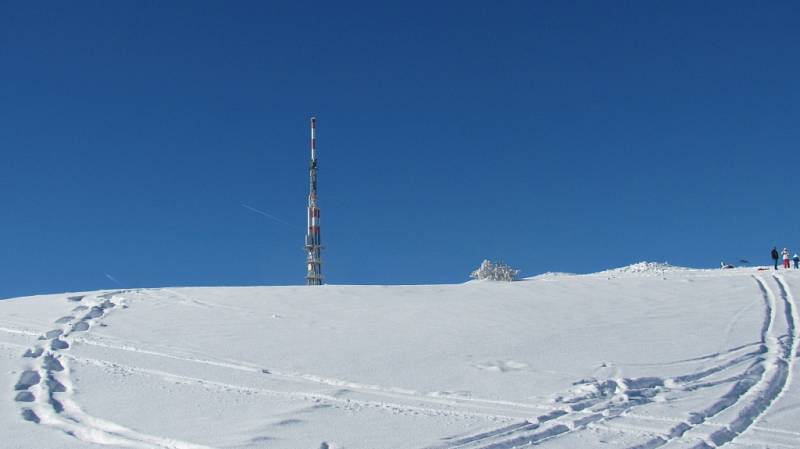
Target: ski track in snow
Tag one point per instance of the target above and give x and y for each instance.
(44, 389)
(494, 407)
(762, 384)
(329, 400)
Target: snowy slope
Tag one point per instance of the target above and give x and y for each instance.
(642, 357)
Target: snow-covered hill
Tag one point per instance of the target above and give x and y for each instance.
(643, 357)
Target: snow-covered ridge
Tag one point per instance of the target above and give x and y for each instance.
(639, 268)
(695, 359)
(654, 268)
(550, 275)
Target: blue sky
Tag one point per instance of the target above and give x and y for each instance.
(558, 136)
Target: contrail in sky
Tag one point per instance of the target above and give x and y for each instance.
(112, 278)
(258, 211)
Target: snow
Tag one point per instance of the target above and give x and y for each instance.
(648, 355)
(652, 268)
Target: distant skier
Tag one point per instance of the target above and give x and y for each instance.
(786, 259)
(796, 260)
(775, 256)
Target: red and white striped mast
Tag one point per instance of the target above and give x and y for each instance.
(313, 241)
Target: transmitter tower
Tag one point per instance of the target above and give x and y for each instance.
(313, 242)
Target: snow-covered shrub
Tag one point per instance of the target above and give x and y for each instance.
(494, 271)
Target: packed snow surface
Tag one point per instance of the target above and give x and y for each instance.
(646, 268)
(681, 359)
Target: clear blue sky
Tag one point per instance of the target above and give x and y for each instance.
(558, 136)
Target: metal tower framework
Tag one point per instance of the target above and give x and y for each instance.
(313, 242)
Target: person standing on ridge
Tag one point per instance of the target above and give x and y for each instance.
(775, 256)
(786, 258)
(796, 260)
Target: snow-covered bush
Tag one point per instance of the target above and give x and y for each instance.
(494, 271)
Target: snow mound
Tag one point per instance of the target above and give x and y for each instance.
(550, 275)
(651, 268)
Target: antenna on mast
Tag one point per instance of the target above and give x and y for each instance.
(313, 242)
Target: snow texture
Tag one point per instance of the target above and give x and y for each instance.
(646, 356)
(651, 268)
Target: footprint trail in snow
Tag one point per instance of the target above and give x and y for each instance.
(44, 389)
